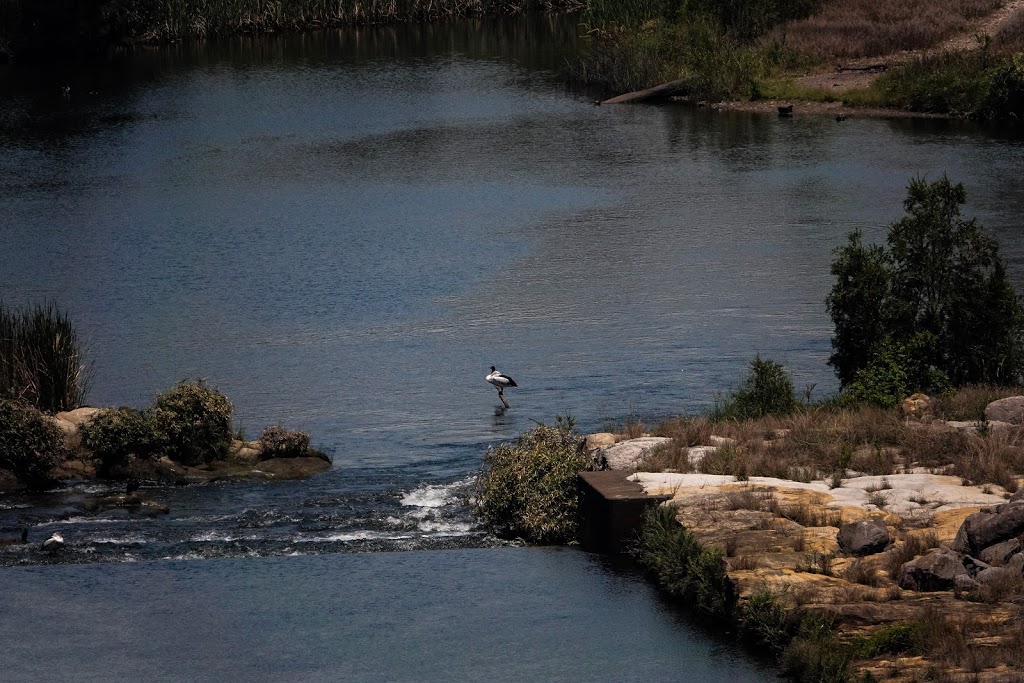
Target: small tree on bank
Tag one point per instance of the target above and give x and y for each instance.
(934, 309)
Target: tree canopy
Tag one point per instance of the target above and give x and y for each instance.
(935, 307)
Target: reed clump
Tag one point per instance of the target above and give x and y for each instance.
(42, 358)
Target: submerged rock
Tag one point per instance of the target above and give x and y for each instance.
(132, 502)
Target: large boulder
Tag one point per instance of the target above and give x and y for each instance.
(1006, 410)
(990, 526)
(1019, 495)
(863, 538)
(1000, 553)
(935, 571)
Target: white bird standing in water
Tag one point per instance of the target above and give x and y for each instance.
(500, 381)
(54, 542)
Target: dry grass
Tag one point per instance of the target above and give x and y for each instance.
(808, 516)
(863, 572)
(995, 458)
(687, 431)
(868, 28)
(968, 403)
(670, 457)
(912, 546)
(1010, 37)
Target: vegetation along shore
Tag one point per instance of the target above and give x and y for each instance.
(184, 436)
(40, 29)
(875, 535)
(960, 59)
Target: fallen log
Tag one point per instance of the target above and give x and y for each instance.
(658, 92)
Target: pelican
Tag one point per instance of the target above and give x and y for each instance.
(500, 381)
(54, 542)
(15, 541)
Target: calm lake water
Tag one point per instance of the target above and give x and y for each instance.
(343, 231)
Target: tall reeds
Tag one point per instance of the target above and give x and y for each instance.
(42, 359)
(178, 19)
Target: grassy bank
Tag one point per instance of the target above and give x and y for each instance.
(759, 49)
(37, 29)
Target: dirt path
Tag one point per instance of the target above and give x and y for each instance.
(858, 73)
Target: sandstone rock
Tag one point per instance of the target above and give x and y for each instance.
(917, 405)
(1006, 410)
(1000, 553)
(627, 454)
(78, 416)
(1019, 495)
(988, 527)
(863, 538)
(721, 440)
(600, 439)
(935, 571)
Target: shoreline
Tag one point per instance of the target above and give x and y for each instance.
(786, 543)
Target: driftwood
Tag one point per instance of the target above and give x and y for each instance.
(658, 92)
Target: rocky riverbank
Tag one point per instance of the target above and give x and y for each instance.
(920, 550)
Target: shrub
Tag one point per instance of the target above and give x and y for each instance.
(763, 620)
(41, 358)
(529, 488)
(906, 637)
(682, 566)
(115, 437)
(767, 390)
(278, 442)
(30, 445)
(194, 421)
(815, 655)
(1005, 96)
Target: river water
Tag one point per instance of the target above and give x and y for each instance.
(343, 231)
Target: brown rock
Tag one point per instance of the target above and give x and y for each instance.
(1009, 409)
(863, 538)
(988, 527)
(1000, 553)
(935, 571)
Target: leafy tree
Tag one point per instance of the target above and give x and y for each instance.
(935, 308)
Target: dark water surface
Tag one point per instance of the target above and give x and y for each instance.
(458, 615)
(343, 231)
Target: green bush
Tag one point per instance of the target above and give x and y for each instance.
(194, 421)
(904, 637)
(115, 437)
(278, 442)
(682, 566)
(815, 655)
(1005, 96)
(30, 445)
(763, 620)
(768, 390)
(41, 358)
(529, 488)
